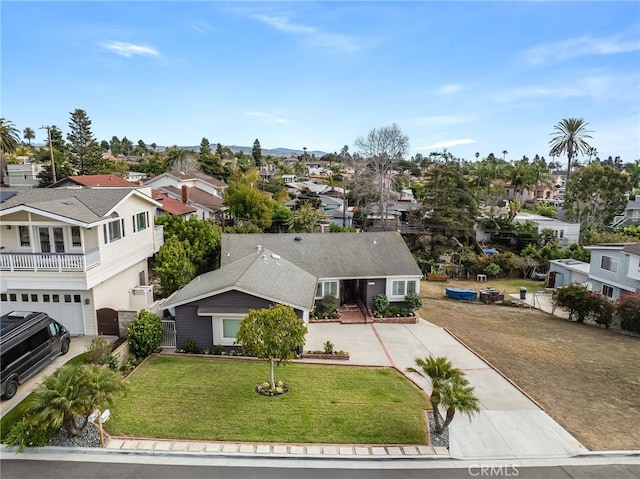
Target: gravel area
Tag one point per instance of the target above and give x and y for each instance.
(90, 438)
(439, 440)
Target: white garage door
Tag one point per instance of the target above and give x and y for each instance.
(63, 306)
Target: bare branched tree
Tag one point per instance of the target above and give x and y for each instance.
(382, 149)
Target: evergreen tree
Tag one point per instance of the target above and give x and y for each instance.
(84, 151)
(256, 152)
(115, 146)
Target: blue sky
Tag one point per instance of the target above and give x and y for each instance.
(468, 76)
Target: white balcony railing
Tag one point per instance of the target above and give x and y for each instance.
(49, 261)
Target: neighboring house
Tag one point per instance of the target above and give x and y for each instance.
(288, 179)
(24, 175)
(194, 188)
(93, 181)
(78, 254)
(631, 215)
(563, 272)
(614, 269)
(567, 233)
(332, 207)
(135, 176)
(293, 269)
(172, 207)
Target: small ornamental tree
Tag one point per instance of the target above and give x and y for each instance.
(145, 334)
(173, 266)
(629, 312)
(574, 298)
(272, 334)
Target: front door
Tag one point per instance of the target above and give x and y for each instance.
(51, 239)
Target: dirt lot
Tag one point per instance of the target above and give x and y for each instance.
(586, 378)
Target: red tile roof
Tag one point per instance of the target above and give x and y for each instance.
(100, 180)
(170, 205)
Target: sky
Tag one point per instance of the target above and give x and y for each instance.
(485, 77)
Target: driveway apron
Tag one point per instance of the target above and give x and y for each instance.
(509, 425)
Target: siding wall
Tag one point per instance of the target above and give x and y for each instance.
(191, 326)
(380, 287)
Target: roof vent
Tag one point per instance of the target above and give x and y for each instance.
(298, 238)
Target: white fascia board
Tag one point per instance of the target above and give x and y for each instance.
(46, 214)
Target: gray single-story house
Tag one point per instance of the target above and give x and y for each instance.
(295, 269)
(563, 272)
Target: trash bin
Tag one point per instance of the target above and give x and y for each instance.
(523, 292)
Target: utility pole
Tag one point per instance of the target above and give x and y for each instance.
(53, 163)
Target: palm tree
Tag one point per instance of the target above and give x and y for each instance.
(633, 170)
(28, 134)
(457, 396)
(439, 371)
(504, 155)
(8, 136)
(72, 392)
(570, 138)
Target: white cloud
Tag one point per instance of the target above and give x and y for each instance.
(450, 88)
(128, 50)
(579, 47)
(314, 35)
(448, 144)
(201, 27)
(268, 117)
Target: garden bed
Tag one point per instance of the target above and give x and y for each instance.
(314, 355)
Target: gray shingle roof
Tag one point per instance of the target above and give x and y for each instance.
(632, 249)
(260, 273)
(84, 205)
(331, 255)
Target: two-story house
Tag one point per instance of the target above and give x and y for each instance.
(193, 188)
(79, 255)
(631, 214)
(615, 269)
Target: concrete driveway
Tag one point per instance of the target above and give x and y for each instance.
(509, 425)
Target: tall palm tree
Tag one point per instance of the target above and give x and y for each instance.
(570, 138)
(457, 396)
(28, 134)
(8, 136)
(439, 371)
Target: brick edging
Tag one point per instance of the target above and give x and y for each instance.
(510, 381)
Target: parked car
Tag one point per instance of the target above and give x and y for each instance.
(29, 341)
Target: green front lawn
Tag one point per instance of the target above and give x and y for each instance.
(214, 399)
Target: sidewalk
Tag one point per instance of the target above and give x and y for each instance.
(278, 450)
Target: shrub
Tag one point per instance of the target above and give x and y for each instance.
(145, 334)
(328, 306)
(493, 269)
(414, 301)
(110, 361)
(130, 365)
(191, 346)
(97, 349)
(600, 310)
(380, 304)
(574, 298)
(328, 347)
(629, 312)
(217, 349)
(24, 435)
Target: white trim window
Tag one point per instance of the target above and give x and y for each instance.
(114, 230)
(403, 287)
(609, 263)
(24, 237)
(607, 291)
(140, 221)
(76, 237)
(325, 288)
(230, 328)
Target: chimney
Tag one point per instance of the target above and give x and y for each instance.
(185, 194)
